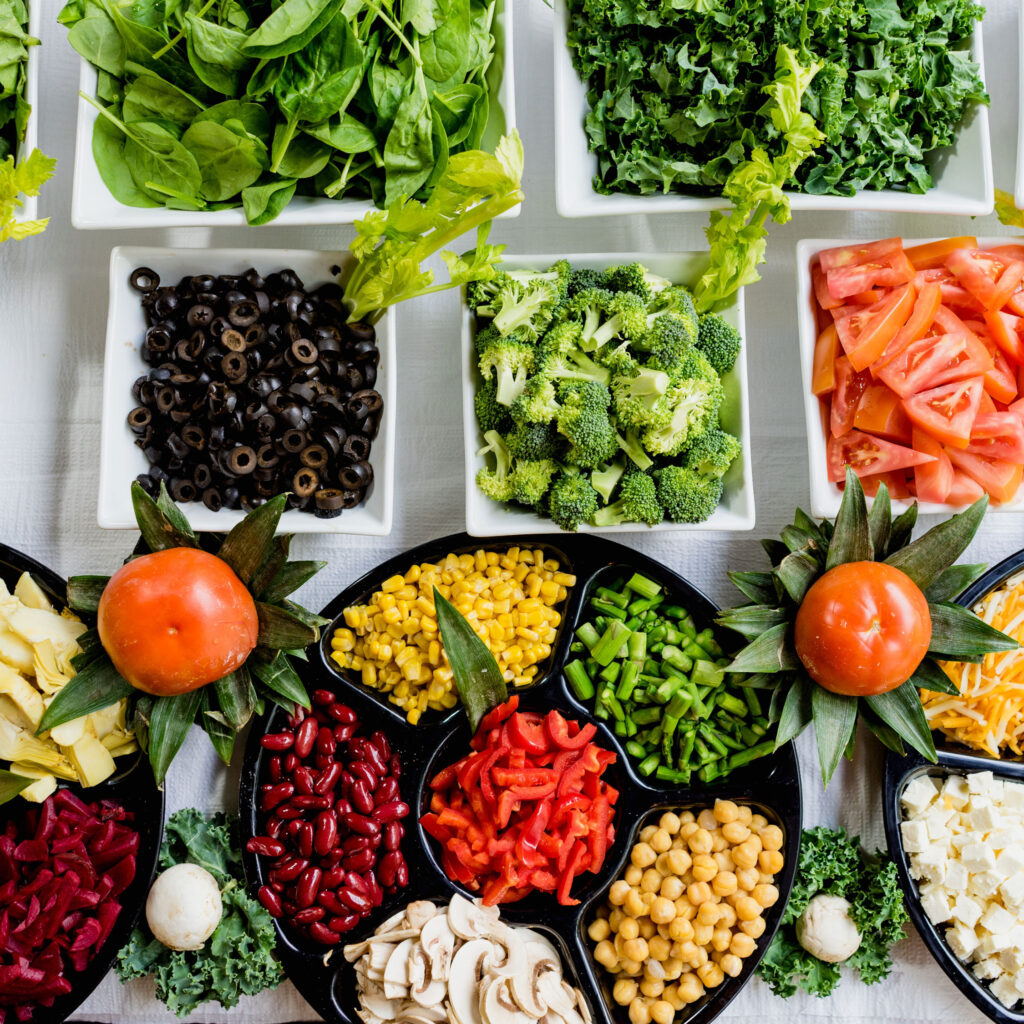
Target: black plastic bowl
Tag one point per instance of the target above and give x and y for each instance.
(772, 784)
(953, 759)
(132, 786)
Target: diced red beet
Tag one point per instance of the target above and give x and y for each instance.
(121, 875)
(107, 915)
(125, 844)
(32, 849)
(47, 820)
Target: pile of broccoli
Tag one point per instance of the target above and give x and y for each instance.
(600, 395)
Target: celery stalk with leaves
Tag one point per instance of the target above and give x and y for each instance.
(25, 178)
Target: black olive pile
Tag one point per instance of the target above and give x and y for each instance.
(257, 387)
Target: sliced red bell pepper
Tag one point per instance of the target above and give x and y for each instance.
(600, 815)
(497, 715)
(568, 876)
(558, 731)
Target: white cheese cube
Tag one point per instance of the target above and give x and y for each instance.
(936, 906)
(932, 864)
(977, 857)
(985, 818)
(956, 877)
(938, 822)
(987, 969)
(1018, 982)
(959, 841)
(998, 941)
(986, 945)
(967, 911)
(1010, 862)
(985, 884)
(1013, 797)
(1004, 990)
(997, 919)
(920, 792)
(962, 941)
(1012, 890)
(1010, 960)
(954, 791)
(1005, 836)
(915, 836)
(980, 783)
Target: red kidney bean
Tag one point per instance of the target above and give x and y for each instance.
(342, 807)
(332, 859)
(304, 839)
(278, 887)
(343, 922)
(357, 882)
(387, 789)
(390, 811)
(356, 901)
(288, 811)
(355, 844)
(274, 827)
(377, 763)
(290, 763)
(343, 732)
(291, 828)
(270, 900)
(307, 887)
(274, 768)
(325, 741)
(329, 901)
(265, 845)
(333, 877)
(319, 931)
(361, 797)
(327, 780)
(309, 915)
(322, 761)
(304, 779)
(361, 771)
(361, 860)
(276, 794)
(394, 832)
(311, 803)
(380, 741)
(323, 697)
(361, 825)
(343, 713)
(277, 741)
(395, 767)
(402, 874)
(291, 868)
(289, 908)
(326, 836)
(295, 720)
(388, 867)
(305, 737)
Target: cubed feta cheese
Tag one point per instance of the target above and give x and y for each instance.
(932, 864)
(962, 941)
(1010, 862)
(954, 791)
(936, 907)
(967, 911)
(986, 945)
(985, 818)
(1011, 890)
(1004, 990)
(956, 877)
(997, 919)
(980, 783)
(920, 792)
(959, 841)
(987, 969)
(1013, 796)
(978, 857)
(985, 884)
(915, 836)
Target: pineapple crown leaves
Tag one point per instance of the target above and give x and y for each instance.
(805, 551)
(259, 557)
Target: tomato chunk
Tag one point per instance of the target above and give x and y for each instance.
(954, 295)
(964, 490)
(1004, 329)
(989, 278)
(825, 298)
(933, 480)
(858, 253)
(865, 334)
(998, 477)
(934, 360)
(868, 455)
(998, 435)
(1000, 381)
(934, 254)
(896, 483)
(926, 305)
(826, 348)
(849, 386)
(880, 411)
(947, 412)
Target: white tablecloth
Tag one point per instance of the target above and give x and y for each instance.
(53, 300)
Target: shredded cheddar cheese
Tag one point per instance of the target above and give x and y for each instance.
(988, 713)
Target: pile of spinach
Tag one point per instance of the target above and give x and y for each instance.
(676, 88)
(209, 104)
(14, 46)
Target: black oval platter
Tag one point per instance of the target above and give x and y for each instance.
(772, 784)
(953, 759)
(132, 786)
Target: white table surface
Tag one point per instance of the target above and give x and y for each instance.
(52, 319)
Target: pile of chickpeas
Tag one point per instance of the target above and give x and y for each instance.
(688, 909)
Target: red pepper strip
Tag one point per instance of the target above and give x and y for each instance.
(600, 814)
(572, 778)
(572, 869)
(565, 852)
(496, 847)
(496, 891)
(612, 793)
(550, 844)
(444, 778)
(517, 759)
(486, 782)
(469, 770)
(534, 792)
(525, 777)
(529, 837)
(454, 818)
(460, 849)
(454, 868)
(557, 729)
(497, 715)
(527, 732)
(563, 806)
(580, 826)
(432, 828)
(506, 802)
(546, 881)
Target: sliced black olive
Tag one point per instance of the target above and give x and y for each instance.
(371, 399)
(218, 325)
(266, 457)
(266, 425)
(212, 499)
(233, 340)
(138, 419)
(314, 456)
(202, 476)
(351, 498)
(294, 441)
(216, 437)
(144, 280)
(199, 315)
(359, 331)
(182, 489)
(235, 367)
(203, 283)
(193, 436)
(305, 482)
(244, 313)
(241, 460)
(231, 497)
(352, 379)
(356, 477)
(356, 448)
(165, 399)
(291, 414)
(148, 484)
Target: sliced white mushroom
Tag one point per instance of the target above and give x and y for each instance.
(584, 1008)
(396, 973)
(524, 984)
(378, 956)
(468, 967)
(357, 949)
(438, 940)
(471, 920)
(420, 912)
(393, 923)
(553, 992)
(497, 1005)
(426, 988)
(514, 950)
(528, 935)
(379, 1006)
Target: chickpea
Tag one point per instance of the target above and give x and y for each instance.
(616, 918)
(720, 939)
(690, 989)
(636, 949)
(631, 967)
(686, 817)
(765, 878)
(678, 861)
(648, 929)
(725, 811)
(771, 837)
(671, 996)
(629, 929)
(707, 913)
(617, 893)
(624, 991)
(680, 930)
(652, 988)
(661, 841)
(647, 899)
(755, 928)
(711, 974)
(670, 823)
(736, 832)
(766, 895)
(702, 933)
(634, 906)
(646, 832)
(742, 945)
(706, 819)
(731, 964)
(599, 929)
(704, 867)
(724, 883)
(642, 855)
(639, 1013)
(723, 858)
(688, 952)
(662, 1011)
(701, 957)
(758, 822)
(651, 881)
(747, 878)
(660, 949)
(619, 942)
(719, 844)
(747, 908)
(653, 971)
(673, 968)
(604, 954)
(633, 874)
(770, 861)
(698, 893)
(746, 815)
(687, 829)
(745, 855)
(672, 887)
(700, 841)
(728, 918)
(663, 910)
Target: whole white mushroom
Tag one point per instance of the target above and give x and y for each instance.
(184, 908)
(826, 930)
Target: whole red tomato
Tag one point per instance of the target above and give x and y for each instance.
(176, 620)
(862, 629)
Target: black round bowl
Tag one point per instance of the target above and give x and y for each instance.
(132, 786)
(771, 784)
(953, 759)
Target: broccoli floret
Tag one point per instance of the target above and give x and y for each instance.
(617, 359)
(712, 453)
(694, 365)
(571, 500)
(686, 495)
(496, 483)
(606, 315)
(584, 279)
(694, 405)
(637, 400)
(679, 302)
(630, 444)
(719, 341)
(667, 341)
(512, 362)
(531, 479)
(525, 302)
(583, 420)
(630, 277)
(482, 291)
(538, 403)
(561, 358)
(637, 503)
(533, 441)
(606, 479)
(490, 414)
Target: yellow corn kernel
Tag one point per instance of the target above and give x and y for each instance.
(565, 579)
(369, 675)
(413, 717)
(356, 663)
(387, 602)
(527, 634)
(392, 583)
(413, 574)
(549, 591)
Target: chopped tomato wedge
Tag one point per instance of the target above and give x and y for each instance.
(1000, 381)
(1004, 329)
(880, 411)
(964, 490)
(849, 386)
(926, 305)
(987, 403)
(990, 279)
(932, 479)
(953, 294)
(821, 292)
(826, 348)
(865, 334)
(850, 270)
(998, 435)
(947, 412)
(896, 484)
(1000, 479)
(934, 254)
(859, 253)
(1005, 252)
(934, 360)
(868, 455)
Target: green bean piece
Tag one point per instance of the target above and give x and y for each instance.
(643, 586)
(636, 646)
(588, 634)
(614, 596)
(605, 650)
(649, 764)
(637, 750)
(627, 680)
(680, 777)
(753, 704)
(705, 673)
(580, 683)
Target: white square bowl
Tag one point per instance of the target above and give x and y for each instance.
(93, 207)
(1018, 191)
(30, 204)
(825, 495)
(121, 460)
(487, 518)
(962, 173)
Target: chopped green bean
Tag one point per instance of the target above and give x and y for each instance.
(580, 682)
(643, 586)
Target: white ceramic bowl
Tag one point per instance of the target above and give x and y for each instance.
(487, 518)
(1018, 197)
(825, 495)
(92, 205)
(30, 204)
(962, 174)
(121, 460)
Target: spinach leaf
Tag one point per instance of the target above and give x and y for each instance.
(262, 203)
(96, 39)
(345, 133)
(445, 52)
(149, 98)
(458, 109)
(291, 27)
(409, 150)
(252, 116)
(301, 156)
(108, 152)
(228, 162)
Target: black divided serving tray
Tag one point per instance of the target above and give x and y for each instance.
(132, 786)
(771, 785)
(953, 759)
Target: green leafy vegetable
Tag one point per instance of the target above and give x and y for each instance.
(239, 957)
(1006, 210)
(832, 862)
